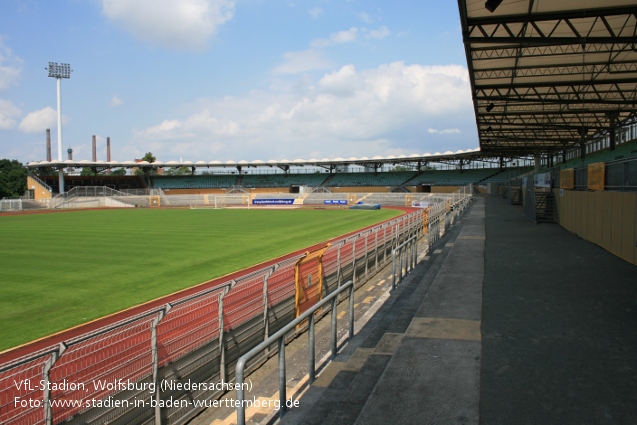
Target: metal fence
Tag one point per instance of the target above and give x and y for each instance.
(106, 376)
(10, 205)
(621, 175)
(101, 196)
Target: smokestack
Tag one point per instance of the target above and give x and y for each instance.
(70, 152)
(108, 149)
(94, 149)
(48, 144)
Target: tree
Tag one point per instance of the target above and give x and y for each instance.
(179, 171)
(13, 179)
(118, 172)
(150, 158)
(88, 171)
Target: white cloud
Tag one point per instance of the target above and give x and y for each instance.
(297, 62)
(381, 32)
(445, 131)
(349, 36)
(339, 37)
(39, 121)
(10, 66)
(386, 110)
(365, 17)
(176, 24)
(116, 101)
(316, 12)
(8, 114)
(344, 82)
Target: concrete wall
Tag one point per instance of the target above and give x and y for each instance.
(343, 189)
(445, 189)
(195, 191)
(608, 219)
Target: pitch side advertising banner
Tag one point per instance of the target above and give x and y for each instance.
(419, 204)
(273, 201)
(335, 201)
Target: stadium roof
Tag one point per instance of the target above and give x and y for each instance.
(547, 74)
(377, 161)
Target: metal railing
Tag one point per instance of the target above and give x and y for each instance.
(621, 175)
(279, 338)
(197, 332)
(407, 253)
(199, 336)
(41, 183)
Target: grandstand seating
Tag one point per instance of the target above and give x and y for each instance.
(452, 177)
(283, 180)
(364, 179)
(204, 181)
(113, 182)
(622, 151)
(395, 178)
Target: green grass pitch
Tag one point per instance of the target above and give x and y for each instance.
(60, 270)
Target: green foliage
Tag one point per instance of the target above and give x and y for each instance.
(42, 172)
(13, 179)
(118, 172)
(147, 171)
(88, 171)
(178, 171)
(54, 275)
(149, 157)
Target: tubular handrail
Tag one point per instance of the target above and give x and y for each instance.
(411, 245)
(279, 337)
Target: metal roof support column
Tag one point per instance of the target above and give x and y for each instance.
(582, 142)
(612, 117)
(564, 149)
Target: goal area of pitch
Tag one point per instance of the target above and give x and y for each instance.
(221, 201)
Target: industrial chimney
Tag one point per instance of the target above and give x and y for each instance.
(108, 149)
(48, 144)
(94, 149)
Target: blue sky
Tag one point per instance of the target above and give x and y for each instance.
(235, 79)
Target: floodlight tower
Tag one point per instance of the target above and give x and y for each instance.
(59, 71)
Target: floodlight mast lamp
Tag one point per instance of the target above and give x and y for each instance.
(59, 71)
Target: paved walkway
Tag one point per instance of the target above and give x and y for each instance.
(508, 322)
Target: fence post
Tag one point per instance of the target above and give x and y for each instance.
(155, 358)
(266, 309)
(354, 260)
(366, 255)
(393, 269)
(385, 244)
(310, 348)
(46, 399)
(351, 313)
(376, 250)
(338, 264)
(282, 379)
(334, 334)
(415, 252)
(222, 343)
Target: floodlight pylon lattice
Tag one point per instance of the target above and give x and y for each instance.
(59, 71)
